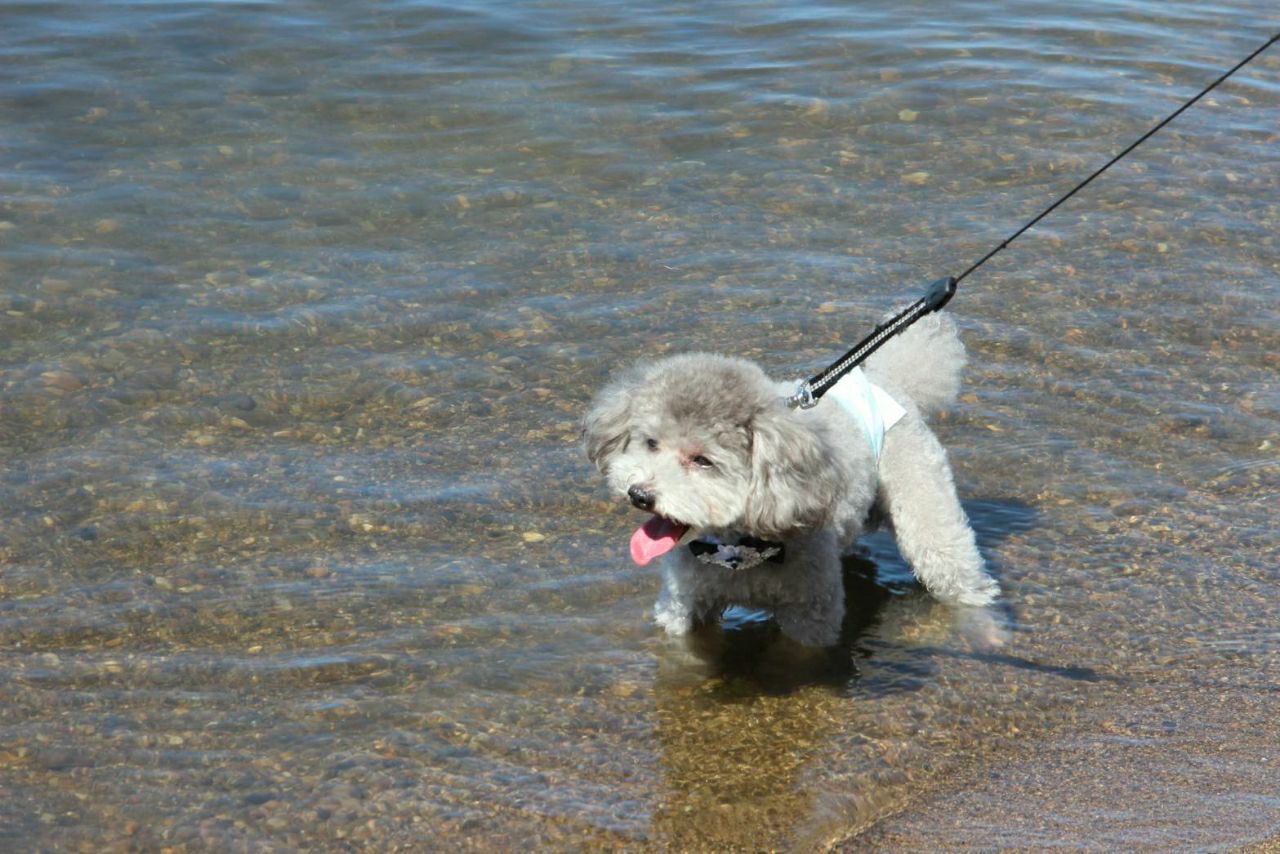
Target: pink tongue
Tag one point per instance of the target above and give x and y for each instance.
(655, 537)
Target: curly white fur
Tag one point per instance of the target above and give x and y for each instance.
(710, 440)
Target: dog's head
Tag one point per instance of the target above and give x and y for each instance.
(706, 442)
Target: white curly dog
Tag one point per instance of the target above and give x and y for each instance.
(753, 503)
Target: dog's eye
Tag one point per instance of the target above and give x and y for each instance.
(702, 462)
(651, 444)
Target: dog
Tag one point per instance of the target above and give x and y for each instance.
(752, 503)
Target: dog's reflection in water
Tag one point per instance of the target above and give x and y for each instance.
(745, 713)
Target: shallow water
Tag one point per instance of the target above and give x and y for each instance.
(301, 305)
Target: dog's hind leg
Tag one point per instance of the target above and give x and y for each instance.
(931, 528)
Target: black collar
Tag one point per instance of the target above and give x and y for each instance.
(743, 553)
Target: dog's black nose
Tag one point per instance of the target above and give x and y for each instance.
(641, 497)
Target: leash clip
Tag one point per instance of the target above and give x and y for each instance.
(803, 397)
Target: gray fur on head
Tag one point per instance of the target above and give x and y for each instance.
(607, 426)
(709, 440)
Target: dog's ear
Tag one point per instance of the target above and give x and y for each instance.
(606, 428)
(794, 483)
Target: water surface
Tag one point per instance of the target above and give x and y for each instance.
(301, 304)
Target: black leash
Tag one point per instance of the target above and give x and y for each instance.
(811, 390)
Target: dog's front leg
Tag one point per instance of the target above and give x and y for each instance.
(677, 605)
(810, 608)
(932, 530)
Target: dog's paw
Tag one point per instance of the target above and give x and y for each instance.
(982, 627)
(677, 621)
(811, 629)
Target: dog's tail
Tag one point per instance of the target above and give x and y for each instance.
(924, 363)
